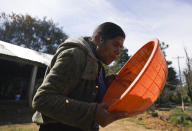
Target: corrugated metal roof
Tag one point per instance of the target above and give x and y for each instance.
(24, 53)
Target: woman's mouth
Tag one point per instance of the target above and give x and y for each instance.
(113, 57)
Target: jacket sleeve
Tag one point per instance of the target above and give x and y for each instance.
(51, 98)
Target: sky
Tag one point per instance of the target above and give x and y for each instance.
(142, 20)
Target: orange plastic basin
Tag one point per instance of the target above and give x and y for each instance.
(140, 81)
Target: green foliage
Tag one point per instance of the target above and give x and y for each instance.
(24, 30)
(122, 58)
(164, 109)
(163, 47)
(172, 78)
(186, 97)
(172, 81)
(180, 117)
(190, 110)
(140, 122)
(175, 98)
(188, 75)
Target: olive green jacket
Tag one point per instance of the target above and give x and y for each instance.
(68, 92)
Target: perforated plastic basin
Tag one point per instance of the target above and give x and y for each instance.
(140, 81)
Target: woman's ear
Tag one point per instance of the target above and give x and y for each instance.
(97, 39)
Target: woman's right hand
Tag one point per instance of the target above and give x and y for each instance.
(103, 117)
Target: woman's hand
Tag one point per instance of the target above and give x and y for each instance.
(103, 117)
(110, 78)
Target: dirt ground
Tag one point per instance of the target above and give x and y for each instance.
(125, 126)
(116, 126)
(16, 116)
(145, 122)
(142, 122)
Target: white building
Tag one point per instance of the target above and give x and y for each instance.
(19, 69)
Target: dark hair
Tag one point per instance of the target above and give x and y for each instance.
(108, 30)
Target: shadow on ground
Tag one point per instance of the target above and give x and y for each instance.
(15, 112)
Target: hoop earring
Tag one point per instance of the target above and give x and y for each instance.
(101, 40)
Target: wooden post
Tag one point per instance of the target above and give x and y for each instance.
(32, 84)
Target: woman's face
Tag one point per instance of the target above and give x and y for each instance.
(110, 49)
